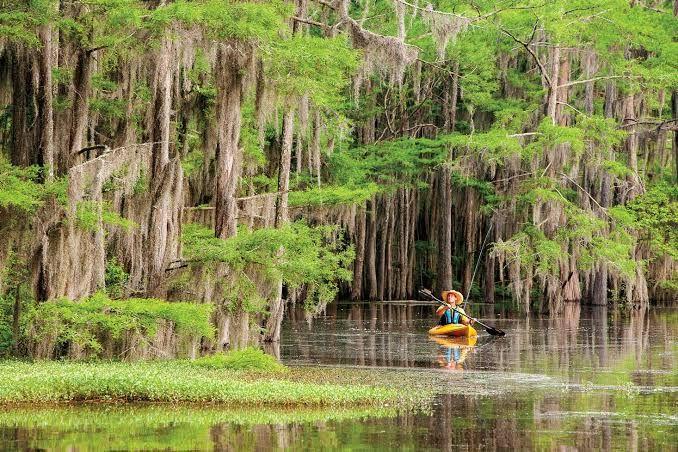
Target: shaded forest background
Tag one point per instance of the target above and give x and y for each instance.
(238, 155)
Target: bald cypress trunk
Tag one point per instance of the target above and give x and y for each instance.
(23, 106)
(358, 264)
(628, 112)
(166, 184)
(383, 265)
(82, 83)
(281, 209)
(371, 250)
(444, 233)
(277, 308)
(228, 155)
(674, 108)
(45, 96)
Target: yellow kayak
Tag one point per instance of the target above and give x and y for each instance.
(453, 329)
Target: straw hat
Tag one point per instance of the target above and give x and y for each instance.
(457, 295)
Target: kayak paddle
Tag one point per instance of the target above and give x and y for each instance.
(492, 330)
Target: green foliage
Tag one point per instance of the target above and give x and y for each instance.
(307, 65)
(141, 184)
(656, 218)
(192, 162)
(90, 213)
(19, 20)
(475, 52)
(110, 24)
(551, 135)
(21, 189)
(14, 281)
(6, 339)
(115, 278)
(599, 132)
(250, 359)
(617, 169)
(296, 253)
(390, 163)
(331, 195)
(86, 322)
(227, 19)
(492, 146)
(253, 154)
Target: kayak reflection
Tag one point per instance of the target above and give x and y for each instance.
(453, 351)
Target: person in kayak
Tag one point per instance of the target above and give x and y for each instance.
(447, 315)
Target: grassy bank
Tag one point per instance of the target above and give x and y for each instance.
(186, 382)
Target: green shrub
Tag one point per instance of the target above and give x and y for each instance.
(6, 341)
(87, 321)
(246, 359)
(115, 279)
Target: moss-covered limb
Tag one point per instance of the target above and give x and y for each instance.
(181, 381)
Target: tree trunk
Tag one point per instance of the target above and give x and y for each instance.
(166, 181)
(383, 265)
(372, 251)
(228, 155)
(82, 82)
(589, 63)
(674, 108)
(631, 144)
(277, 309)
(599, 295)
(315, 145)
(281, 210)
(45, 95)
(553, 89)
(16, 321)
(22, 96)
(357, 288)
(489, 279)
(444, 262)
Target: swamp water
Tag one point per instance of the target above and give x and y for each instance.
(592, 378)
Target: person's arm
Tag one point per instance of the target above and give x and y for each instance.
(465, 320)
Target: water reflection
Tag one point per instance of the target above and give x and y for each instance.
(582, 345)
(595, 378)
(454, 351)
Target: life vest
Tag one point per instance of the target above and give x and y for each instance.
(451, 316)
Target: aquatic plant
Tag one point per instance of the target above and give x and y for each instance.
(250, 358)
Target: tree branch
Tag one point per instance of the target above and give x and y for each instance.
(604, 77)
(587, 193)
(311, 22)
(526, 45)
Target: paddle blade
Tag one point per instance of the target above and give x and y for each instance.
(426, 293)
(494, 332)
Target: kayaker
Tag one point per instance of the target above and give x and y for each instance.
(447, 315)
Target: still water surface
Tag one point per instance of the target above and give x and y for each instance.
(590, 379)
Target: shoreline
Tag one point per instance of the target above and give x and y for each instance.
(179, 382)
